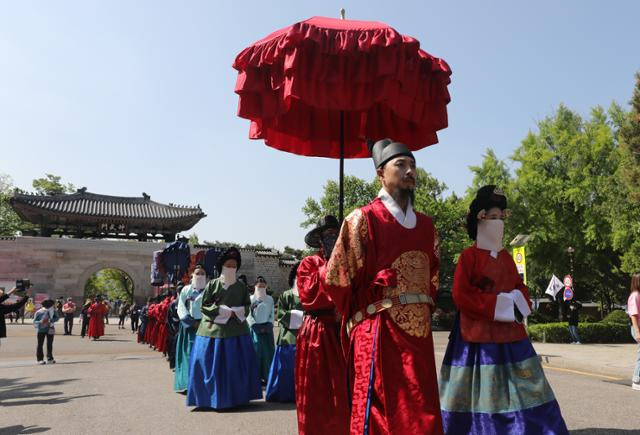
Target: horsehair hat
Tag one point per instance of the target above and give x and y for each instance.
(313, 237)
(231, 253)
(292, 273)
(386, 149)
(487, 197)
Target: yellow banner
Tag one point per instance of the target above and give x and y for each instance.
(521, 261)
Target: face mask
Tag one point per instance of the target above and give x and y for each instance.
(490, 232)
(328, 242)
(228, 275)
(261, 292)
(199, 281)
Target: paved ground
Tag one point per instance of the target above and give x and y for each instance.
(116, 385)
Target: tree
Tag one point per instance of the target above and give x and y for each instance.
(562, 197)
(51, 185)
(492, 171)
(357, 192)
(626, 226)
(448, 216)
(113, 283)
(10, 222)
(193, 239)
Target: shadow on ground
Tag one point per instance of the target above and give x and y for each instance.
(19, 429)
(603, 431)
(253, 407)
(18, 392)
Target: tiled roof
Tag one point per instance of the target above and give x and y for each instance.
(83, 203)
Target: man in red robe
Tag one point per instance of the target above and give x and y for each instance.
(150, 332)
(161, 321)
(96, 312)
(320, 370)
(383, 278)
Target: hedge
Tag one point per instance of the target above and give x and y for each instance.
(617, 316)
(601, 332)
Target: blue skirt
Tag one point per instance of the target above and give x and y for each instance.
(496, 388)
(184, 342)
(223, 373)
(264, 347)
(281, 383)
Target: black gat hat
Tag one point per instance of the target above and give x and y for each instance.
(386, 149)
(313, 237)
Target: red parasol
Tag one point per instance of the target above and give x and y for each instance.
(323, 87)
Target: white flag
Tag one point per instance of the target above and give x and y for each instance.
(555, 285)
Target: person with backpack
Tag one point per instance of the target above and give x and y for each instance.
(44, 323)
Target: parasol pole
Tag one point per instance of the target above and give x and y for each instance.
(341, 209)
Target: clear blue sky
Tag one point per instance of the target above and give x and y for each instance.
(130, 96)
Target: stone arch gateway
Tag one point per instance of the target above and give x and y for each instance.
(61, 267)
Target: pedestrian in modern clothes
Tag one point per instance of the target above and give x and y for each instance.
(4, 309)
(44, 323)
(68, 310)
(633, 310)
(134, 315)
(122, 313)
(573, 317)
(84, 314)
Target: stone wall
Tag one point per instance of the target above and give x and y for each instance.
(61, 267)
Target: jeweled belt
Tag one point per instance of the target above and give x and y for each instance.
(385, 304)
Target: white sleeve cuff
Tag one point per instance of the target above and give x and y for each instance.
(239, 313)
(504, 308)
(521, 303)
(224, 314)
(295, 322)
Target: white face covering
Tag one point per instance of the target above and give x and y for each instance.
(490, 232)
(261, 292)
(228, 275)
(198, 281)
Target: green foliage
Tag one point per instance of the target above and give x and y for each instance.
(599, 332)
(113, 283)
(491, 171)
(587, 318)
(617, 316)
(537, 317)
(448, 217)
(10, 222)
(51, 185)
(193, 239)
(442, 320)
(626, 228)
(563, 195)
(357, 192)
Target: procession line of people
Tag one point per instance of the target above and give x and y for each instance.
(355, 347)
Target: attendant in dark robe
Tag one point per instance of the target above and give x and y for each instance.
(144, 319)
(289, 315)
(84, 314)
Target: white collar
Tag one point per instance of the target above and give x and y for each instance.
(407, 220)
